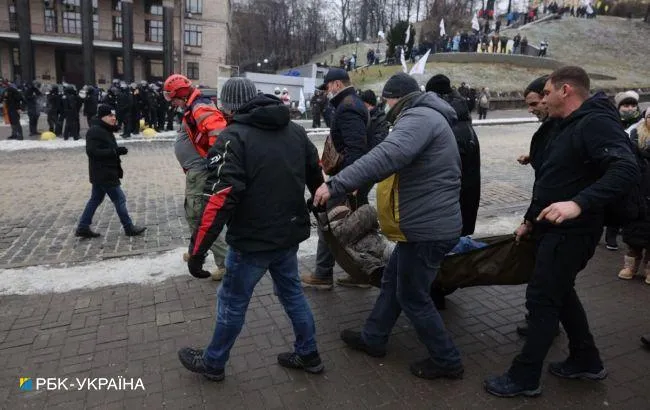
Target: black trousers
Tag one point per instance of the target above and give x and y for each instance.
(551, 299)
(51, 121)
(33, 122)
(71, 128)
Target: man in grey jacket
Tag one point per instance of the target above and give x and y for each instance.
(418, 165)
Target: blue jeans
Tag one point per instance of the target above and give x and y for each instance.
(243, 271)
(406, 285)
(116, 195)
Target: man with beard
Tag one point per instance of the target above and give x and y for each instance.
(105, 173)
(566, 218)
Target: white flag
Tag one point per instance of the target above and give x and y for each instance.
(475, 25)
(442, 28)
(403, 60)
(301, 103)
(408, 34)
(418, 68)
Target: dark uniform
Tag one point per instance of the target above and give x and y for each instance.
(71, 107)
(125, 110)
(54, 107)
(15, 103)
(32, 94)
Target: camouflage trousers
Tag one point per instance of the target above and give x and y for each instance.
(194, 203)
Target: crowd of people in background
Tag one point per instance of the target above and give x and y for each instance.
(64, 104)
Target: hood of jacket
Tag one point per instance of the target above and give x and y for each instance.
(433, 101)
(264, 111)
(459, 104)
(597, 104)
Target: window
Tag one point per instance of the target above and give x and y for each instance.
(154, 31)
(194, 6)
(118, 67)
(153, 7)
(71, 22)
(192, 70)
(13, 17)
(117, 5)
(154, 70)
(50, 19)
(193, 35)
(96, 25)
(117, 27)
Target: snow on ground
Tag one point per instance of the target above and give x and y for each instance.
(14, 145)
(146, 269)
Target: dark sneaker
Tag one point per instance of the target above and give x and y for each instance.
(646, 341)
(427, 369)
(86, 233)
(310, 363)
(134, 230)
(504, 386)
(612, 246)
(522, 329)
(350, 282)
(569, 370)
(355, 341)
(192, 360)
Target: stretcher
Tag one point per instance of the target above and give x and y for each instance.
(503, 261)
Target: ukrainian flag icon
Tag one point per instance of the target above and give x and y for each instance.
(26, 383)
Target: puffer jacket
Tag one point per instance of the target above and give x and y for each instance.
(419, 167)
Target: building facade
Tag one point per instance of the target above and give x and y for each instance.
(95, 41)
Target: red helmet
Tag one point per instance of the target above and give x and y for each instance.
(177, 86)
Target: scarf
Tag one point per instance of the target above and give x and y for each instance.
(405, 102)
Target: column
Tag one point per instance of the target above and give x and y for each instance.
(127, 39)
(25, 41)
(168, 37)
(87, 37)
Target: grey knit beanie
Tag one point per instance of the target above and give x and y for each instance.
(236, 92)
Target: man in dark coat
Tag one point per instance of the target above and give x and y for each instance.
(15, 104)
(468, 147)
(32, 93)
(105, 173)
(348, 132)
(71, 106)
(565, 219)
(316, 105)
(258, 170)
(53, 109)
(124, 110)
(378, 128)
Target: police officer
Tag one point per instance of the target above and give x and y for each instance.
(152, 106)
(53, 108)
(15, 103)
(162, 107)
(32, 93)
(71, 107)
(124, 109)
(90, 104)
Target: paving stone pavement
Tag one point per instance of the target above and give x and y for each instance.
(136, 330)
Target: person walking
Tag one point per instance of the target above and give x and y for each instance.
(565, 219)
(258, 169)
(419, 167)
(349, 135)
(105, 173)
(196, 173)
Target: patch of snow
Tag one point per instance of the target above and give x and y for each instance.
(59, 143)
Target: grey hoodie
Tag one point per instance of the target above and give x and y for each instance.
(422, 202)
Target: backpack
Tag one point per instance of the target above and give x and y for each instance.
(483, 101)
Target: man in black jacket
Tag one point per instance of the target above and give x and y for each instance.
(468, 146)
(534, 95)
(32, 93)
(378, 129)
(90, 104)
(71, 107)
(348, 130)
(15, 104)
(259, 167)
(105, 173)
(53, 109)
(587, 166)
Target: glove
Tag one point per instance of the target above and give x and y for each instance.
(122, 150)
(195, 266)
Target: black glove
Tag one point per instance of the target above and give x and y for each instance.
(122, 150)
(195, 266)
